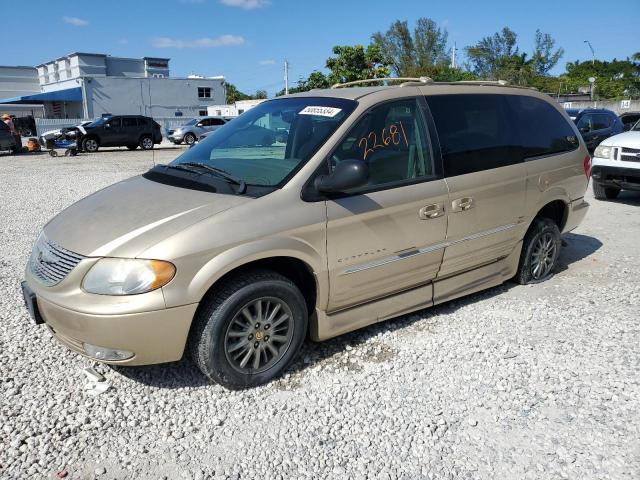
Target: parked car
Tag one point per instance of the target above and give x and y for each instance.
(381, 201)
(596, 124)
(616, 164)
(629, 119)
(572, 112)
(191, 131)
(131, 131)
(7, 140)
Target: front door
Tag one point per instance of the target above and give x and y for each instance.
(486, 178)
(388, 236)
(111, 132)
(594, 127)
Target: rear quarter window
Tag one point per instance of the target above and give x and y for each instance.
(475, 132)
(542, 130)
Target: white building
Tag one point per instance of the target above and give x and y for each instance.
(234, 109)
(19, 81)
(87, 85)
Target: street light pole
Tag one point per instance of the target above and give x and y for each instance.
(593, 54)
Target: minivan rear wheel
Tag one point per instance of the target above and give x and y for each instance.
(601, 192)
(540, 251)
(249, 330)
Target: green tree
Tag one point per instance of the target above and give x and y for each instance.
(355, 62)
(233, 94)
(413, 55)
(489, 55)
(544, 57)
(260, 94)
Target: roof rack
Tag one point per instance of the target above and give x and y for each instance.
(406, 81)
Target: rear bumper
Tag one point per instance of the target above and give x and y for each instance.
(154, 337)
(577, 211)
(618, 177)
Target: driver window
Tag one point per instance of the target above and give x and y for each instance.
(586, 122)
(392, 139)
(115, 123)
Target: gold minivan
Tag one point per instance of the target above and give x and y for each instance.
(319, 213)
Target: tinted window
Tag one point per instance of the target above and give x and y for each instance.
(542, 129)
(476, 132)
(3, 126)
(601, 121)
(217, 121)
(393, 140)
(142, 121)
(129, 122)
(115, 123)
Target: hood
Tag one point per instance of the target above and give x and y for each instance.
(126, 218)
(626, 139)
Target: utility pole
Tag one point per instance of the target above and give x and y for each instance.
(286, 77)
(453, 56)
(593, 54)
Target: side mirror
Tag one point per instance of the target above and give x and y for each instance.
(200, 124)
(107, 125)
(348, 174)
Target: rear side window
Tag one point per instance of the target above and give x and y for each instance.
(542, 129)
(217, 121)
(601, 121)
(142, 122)
(475, 132)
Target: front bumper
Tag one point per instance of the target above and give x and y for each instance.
(617, 176)
(176, 137)
(153, 337)
(136, 323)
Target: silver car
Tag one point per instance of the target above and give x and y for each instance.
(191, 131)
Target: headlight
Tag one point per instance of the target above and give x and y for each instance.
(127, 276)
(603, 151)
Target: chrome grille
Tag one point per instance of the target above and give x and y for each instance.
(50, 263)
(631, 151)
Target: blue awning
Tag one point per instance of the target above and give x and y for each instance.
(67, 95)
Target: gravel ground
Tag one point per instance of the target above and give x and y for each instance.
(535, 381)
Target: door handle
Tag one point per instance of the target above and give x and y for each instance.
(462, 204)
(434, 210)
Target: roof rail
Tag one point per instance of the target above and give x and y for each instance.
(501, 83)
(407, 81)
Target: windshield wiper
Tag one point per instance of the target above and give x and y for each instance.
(189, 166)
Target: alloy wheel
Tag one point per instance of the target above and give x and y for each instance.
(543, 256)
(259, 335)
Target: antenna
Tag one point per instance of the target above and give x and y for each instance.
(286, 77)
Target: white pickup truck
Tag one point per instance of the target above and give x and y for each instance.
(616, 164)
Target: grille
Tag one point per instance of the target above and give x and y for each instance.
(631, 151)
(51, 263)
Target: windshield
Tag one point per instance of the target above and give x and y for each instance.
(193, 121)
(269, 142)
(99, 122)
(636, 127)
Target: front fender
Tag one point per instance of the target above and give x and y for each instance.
(192, 289)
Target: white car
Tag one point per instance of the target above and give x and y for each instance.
(50, 134)
(616, 164)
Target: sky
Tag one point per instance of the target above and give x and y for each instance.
(247, 41)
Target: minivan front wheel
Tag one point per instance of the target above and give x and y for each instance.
(540, 251)
(146, 143)
(248, 331)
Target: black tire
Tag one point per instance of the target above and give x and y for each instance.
(601, 192)
(90, 145)
(212, 329)
(541, 230)
(132, 147)
(190, 139)
(146, 142)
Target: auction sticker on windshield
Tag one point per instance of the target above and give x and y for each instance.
(321, 111)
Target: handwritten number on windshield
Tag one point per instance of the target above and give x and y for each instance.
(392, 135)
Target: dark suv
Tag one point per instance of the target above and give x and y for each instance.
(596, 124)
(131, 131)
